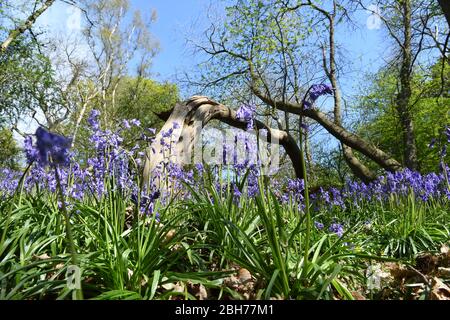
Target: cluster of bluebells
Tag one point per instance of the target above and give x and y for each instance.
(50, 148)
(147, 201)
(167, 173)
(127, 124)
(167, 134)
(334, 228)
(246, 113)
(294, 192)
(9, 181)
(110, 159)
(178, 176)
(337, 229)
(315, 92)
(396, 185)
(399, 184)
(318, 225)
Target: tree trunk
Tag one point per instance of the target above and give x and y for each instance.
(25, 26)
(445, 5)
(404, 95)
(190, 118)
(358, 169)
(344, 136)
(356, 166)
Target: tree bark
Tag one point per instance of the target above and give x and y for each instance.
(13, 34)
(445, 5)
(404, 95)
(344, 136)
(356, 166)
(192, 116)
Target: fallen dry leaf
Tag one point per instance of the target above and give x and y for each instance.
(59, 266)
(199, 291)
(427, 263)
(169, 236)
(440, 290)
(42, 257)
(400, 273)
(244, 275)
(357, 295)
(445, 257)
(444, 272)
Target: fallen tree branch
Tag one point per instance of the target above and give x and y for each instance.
(192, 116)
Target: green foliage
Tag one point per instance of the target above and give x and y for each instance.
(26, 80)
(9, 151)
(140, 98)
(430, 100)
(265, 33)
(135, 98)
(197, 241)
(204, 239)
(402, 228)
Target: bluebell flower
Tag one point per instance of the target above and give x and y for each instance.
(246, 113)
(126, 124)
(135, 122)
(147, 203)
(444, 151)
(31, 152)
(9, 180)
(315, 92)
(199, 167)
(432, 143)
(53, 145)
(318, 225)
(305, 127)
(224, 154)
(167, 134)
(307, 105)
(236, 192)
(318, 90)
(93, 119)
(296, 185)
(337, 229)
(325, 195)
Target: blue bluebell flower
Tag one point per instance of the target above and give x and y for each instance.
(93, 119)
(315, 92)
(318, 225)
(53, 145)
(337, 229)
(246, 114)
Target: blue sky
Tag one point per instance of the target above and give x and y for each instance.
(363, 47)
(175, 19)
(179, 19)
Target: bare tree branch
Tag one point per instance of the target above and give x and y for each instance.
(13, 34)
